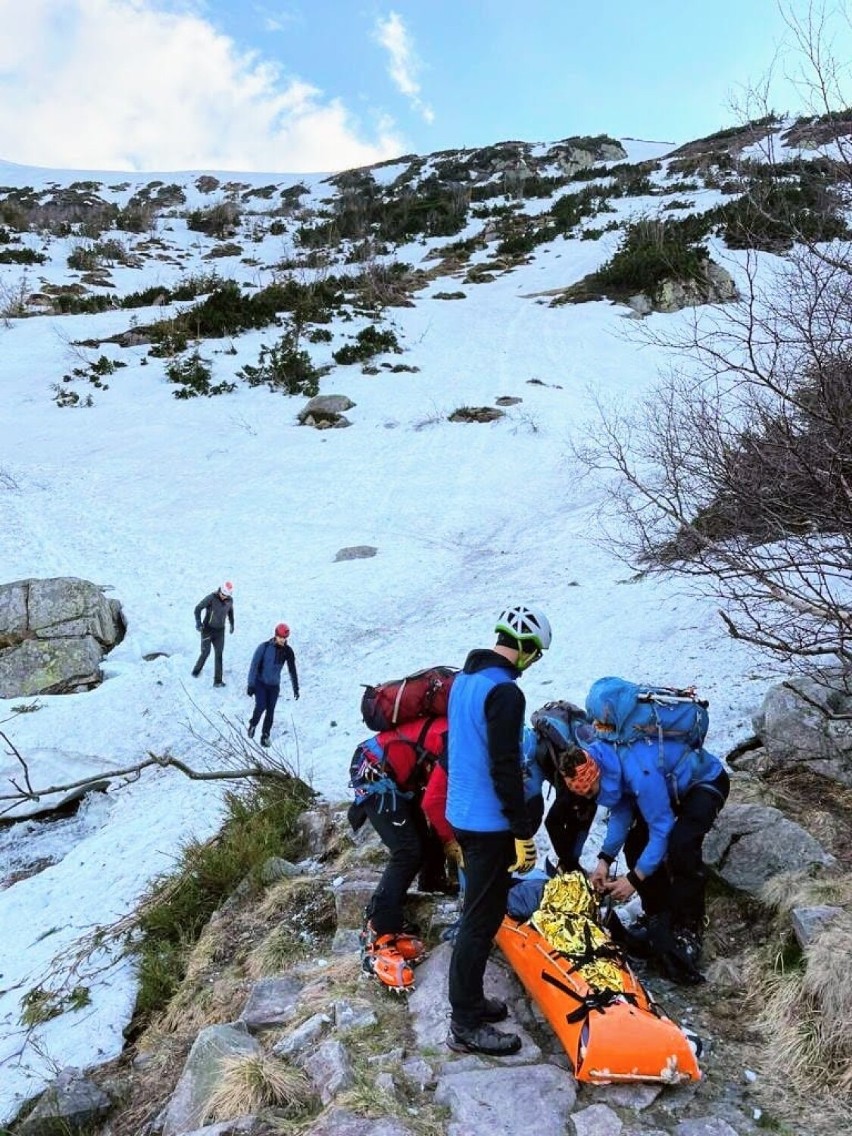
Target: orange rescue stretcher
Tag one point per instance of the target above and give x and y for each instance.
(608, 1035)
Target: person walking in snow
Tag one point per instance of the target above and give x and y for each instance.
(264, 679)
(218, 607)
(488, 815)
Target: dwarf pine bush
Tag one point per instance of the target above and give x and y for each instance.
(283, 367)
(653, 251)
(368, 342)
(193, 377)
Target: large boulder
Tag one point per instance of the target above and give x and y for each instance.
(806, 724)
(54, 635)
(749, 844)
(714, 286)
(70, 1104)
(326, 411)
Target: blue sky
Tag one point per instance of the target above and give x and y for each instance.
(310, 85)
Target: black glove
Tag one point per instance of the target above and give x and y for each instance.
(250, 691)
(198, 627)
(232, 630)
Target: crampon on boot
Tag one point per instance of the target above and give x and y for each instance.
(410, 946)
(382, 959)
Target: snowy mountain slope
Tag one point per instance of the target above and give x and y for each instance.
(161, 499)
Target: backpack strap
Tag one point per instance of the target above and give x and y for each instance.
(397, 701)
(422, 754)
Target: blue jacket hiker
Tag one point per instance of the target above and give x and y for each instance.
(663, 800)
(488, 815)
(264, 679)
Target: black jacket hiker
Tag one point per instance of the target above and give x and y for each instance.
(217, 609)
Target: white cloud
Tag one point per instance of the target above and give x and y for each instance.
(394, 37)
(124, 85)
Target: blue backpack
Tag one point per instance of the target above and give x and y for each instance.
(622, 712)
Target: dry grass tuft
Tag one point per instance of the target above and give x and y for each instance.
(797, 889)
(281, 896)
(273, 954)
(249, 1083)
(805, 1013)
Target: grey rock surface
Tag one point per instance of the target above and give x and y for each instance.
(597, 1120)
(189, 1103)
(302, 1037)
(749, 844)
(272, 1002)
(329, 1069)
(54, 634)
(70, 1104)
(799, 726)
(501, 1100)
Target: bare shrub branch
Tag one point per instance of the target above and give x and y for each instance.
(736, 471)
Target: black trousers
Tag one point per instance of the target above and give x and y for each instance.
(265, 698)
(678, 885)
(214, 638)
(487, 858)
(567, 824)
(413, 847)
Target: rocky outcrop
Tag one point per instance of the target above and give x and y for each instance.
(71, 1104)
(715, 286)
(189, 1104)
(750, 844)
(54, 634)
(326, 1022)
(806, 723)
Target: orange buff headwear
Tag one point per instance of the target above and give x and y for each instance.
(585, 780)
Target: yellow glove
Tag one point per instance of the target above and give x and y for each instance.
(452, 850)
(525, 856)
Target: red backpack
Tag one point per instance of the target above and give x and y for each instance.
(404, 755)
(424, 694)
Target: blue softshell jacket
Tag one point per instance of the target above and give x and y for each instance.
(485, 791)
(267, 663)
(651, 778)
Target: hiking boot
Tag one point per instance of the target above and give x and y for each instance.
(677, 951)
(493, 1010)
(685, 957)
(383, 961)
(218, 682)
(264, 740)
(251, 730)
(410, 946)
(195, 672)
(412, 949)
(483, 1038)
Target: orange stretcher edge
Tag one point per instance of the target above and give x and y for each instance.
(628, 1039)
